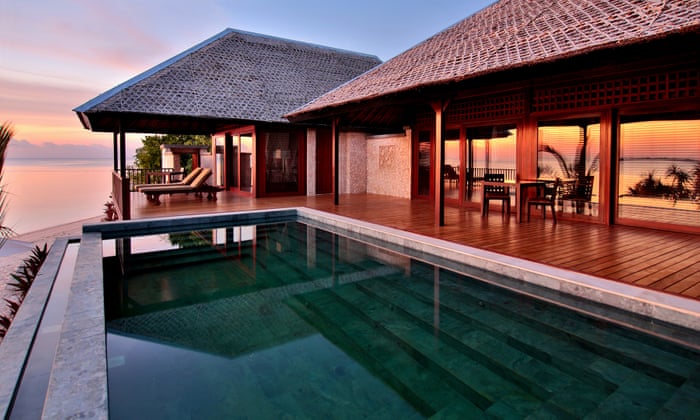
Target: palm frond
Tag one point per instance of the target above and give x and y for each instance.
(6, 134)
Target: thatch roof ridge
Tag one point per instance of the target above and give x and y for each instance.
(234, 75)
(516, 33)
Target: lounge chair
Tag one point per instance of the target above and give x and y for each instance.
(185, 181)
(198, 186)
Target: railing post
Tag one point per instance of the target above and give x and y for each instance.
(121, 196)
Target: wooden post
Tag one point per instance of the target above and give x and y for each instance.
(214, 169)
(439, 108)
(122, 152)
(125, 190)
(336, 161)
(115, 141)
(609, 167)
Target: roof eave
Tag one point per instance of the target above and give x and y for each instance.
(303, 115)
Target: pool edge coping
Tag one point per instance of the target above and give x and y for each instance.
(673, 309)
(16, 346)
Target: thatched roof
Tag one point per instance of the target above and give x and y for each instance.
(511, 34)
(233, 77)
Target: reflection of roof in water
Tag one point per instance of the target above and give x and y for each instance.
(234, 325)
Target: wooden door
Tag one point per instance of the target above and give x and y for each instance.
(324, 161)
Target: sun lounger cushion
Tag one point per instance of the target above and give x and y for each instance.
(198, 181)
(197, 186)
(185, 181)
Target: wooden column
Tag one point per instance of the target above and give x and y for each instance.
(609, 167)
(336, 161)
(195, 163)
(439, 108)
(526, 150)
(125, 187)
(115, 142)
(213, 160)
(122, 152)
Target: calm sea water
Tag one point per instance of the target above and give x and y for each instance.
(49, 192)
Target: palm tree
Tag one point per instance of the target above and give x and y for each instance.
(680, 178)
(6, 134)
(577, 168)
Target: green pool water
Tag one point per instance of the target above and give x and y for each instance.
(290, 321)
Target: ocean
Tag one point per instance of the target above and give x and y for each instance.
(49, 192)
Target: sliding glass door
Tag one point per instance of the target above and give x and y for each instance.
(659, 176)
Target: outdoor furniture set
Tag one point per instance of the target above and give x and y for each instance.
(548, 193)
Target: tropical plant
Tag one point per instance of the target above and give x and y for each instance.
(6, 320)
(680, 178)
(578, 167)
(149, 155)
(6, 134)
(25, 275)
(573, 169)
(650, 186)
(23, 280)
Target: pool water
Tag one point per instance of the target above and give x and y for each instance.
(286, 320)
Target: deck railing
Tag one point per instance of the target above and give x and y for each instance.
(121, 196)
(509, 173)
(149, 176)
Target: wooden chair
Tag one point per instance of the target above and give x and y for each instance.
(496, 193)
(450, 175)
(580, 194)
(546, 197)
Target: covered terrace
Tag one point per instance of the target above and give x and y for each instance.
(235, 86)
(603, 95)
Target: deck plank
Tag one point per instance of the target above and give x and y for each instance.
(654, 259)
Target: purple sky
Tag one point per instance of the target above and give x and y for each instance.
(58, 54)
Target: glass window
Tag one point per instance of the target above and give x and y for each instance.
(659, 176)
(281, 163)
(489, 149)
(570, 150)
(451, 169)
(424, 161)
(246, 162)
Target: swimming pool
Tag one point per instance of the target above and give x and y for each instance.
(486, 346)
(286, 319)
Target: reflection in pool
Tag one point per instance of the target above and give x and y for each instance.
(289, 320)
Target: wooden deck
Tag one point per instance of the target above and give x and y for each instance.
(659, 260)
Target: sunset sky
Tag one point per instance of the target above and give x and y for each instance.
(58, 54)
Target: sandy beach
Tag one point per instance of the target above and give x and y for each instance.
(10, 263)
